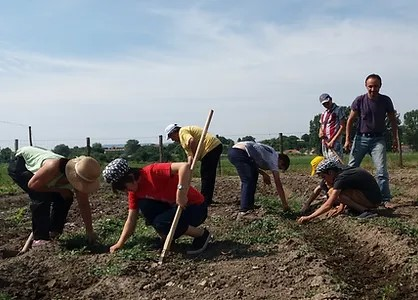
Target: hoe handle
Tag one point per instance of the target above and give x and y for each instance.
(170, 235)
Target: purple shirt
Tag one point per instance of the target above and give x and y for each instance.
(372, 113)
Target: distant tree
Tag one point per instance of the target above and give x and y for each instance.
(314, 141)
(98, 148)
(5, 155)
(410, 128)
(131, 147)
(246, 138)
(62, 149)
(226, 143)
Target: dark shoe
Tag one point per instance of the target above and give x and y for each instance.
(367, 215)
(200, 243)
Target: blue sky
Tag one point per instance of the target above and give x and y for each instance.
(119, 70)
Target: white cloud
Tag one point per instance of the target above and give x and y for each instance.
(260, 78)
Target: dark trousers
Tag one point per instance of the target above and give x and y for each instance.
(208, 167)
(160, 215)
(248, 173)
(49, 210)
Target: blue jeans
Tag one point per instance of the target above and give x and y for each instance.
(376, 148)
(248, 173)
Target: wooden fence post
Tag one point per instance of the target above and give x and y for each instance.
(160, 147)
(281, 142)
(30, 135)
(88, 146)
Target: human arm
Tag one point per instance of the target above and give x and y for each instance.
(127, 231)
(331, 142)
(85, 212)
(326, 206)
(184, 174)
(350, 121)
(48, 172)
(311, 198)
(394, 125)
(280, 191)
(266, 177)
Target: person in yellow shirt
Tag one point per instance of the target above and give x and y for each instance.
(189, 137)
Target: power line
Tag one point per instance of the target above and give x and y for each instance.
(13, 123)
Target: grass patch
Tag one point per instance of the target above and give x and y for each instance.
(268, 230)
(399, 226)
(18, 216)
(5, 296)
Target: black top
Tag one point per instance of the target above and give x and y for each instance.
(359, 179)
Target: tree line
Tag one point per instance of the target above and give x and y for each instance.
(134, 151)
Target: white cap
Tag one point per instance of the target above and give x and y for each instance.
(170, 128)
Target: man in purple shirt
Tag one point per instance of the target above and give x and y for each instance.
(371, 109)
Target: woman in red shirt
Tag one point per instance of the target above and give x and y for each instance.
(156, 190)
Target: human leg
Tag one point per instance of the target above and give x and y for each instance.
(59, 213)
(208, 169)
(359, 149)
(40, 202)
(356, 200)
(378, 153)
(248, 173)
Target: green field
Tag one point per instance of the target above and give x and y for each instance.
(299, 164)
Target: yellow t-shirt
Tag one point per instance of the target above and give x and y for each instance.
(195, 132)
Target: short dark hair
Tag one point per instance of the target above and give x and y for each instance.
(374, 76)
(285, 159)
(130, 176)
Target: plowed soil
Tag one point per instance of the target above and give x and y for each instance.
(334, 258)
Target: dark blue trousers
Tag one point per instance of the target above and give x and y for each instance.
(248, 173)
(160, 215)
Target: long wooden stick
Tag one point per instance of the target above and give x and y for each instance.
(336, 154)
(170, 235)
(28, 244)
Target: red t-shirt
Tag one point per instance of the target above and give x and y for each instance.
(157, 182)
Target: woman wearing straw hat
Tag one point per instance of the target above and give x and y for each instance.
(51, 181)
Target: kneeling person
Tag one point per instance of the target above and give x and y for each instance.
(354, 187)
(155, 190)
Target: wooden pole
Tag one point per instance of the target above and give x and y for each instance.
(88, 146)
(400, 151)
(30, 135)
(160, 147)
(281, 142)
(16, 144)
(170, 235)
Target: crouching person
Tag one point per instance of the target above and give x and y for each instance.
(155, 190)
(352, 187)
(51, 181)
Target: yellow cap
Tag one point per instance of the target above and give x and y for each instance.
(314, 163)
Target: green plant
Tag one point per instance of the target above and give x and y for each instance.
(5, 296)
(18, 216)
(388, 292)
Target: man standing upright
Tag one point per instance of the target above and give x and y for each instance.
(371, 109)
(332, 125)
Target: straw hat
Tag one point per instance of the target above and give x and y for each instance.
(83, 173)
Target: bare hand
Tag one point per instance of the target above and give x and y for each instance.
(303, 219)
(347, 146)
(182, 200)
(114, 248)
(395, 146)
(330, 145)
(266, 179)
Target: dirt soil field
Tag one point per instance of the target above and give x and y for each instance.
(337, 258)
